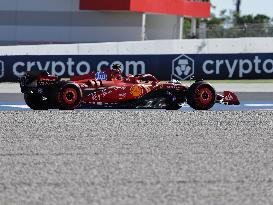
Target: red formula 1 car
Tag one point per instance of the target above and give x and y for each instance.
(109, 89)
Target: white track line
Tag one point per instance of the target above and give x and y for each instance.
(258, 105)
(15, 106)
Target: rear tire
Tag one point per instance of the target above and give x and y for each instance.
(67, 96)
(35, 101)
(201, 96)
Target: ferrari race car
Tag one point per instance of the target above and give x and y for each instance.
(109, 89)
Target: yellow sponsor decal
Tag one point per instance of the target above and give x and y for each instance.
(136, 91)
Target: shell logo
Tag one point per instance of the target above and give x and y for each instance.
(136, 91)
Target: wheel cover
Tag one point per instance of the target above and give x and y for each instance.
(70, 96)
(205, 96)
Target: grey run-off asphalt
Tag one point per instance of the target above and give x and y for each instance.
(136, 157)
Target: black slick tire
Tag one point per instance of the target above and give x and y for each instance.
(35, 101)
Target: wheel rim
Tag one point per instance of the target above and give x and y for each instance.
(70, 96)
(205, 96)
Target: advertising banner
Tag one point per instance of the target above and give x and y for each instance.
(164, 67)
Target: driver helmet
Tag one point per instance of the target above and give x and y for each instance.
(116, 67)
(116, 71)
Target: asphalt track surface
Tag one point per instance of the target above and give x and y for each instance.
(136, 157)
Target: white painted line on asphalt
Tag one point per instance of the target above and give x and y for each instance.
(258, 105)
(15, 106)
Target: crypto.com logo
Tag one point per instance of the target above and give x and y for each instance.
(182, 68)
(2, 69)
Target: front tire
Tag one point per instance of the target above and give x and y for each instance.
(201, 96)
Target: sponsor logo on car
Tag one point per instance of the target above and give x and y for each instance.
(229, 97)
(101, 76)
(136, 90)
(182, 68)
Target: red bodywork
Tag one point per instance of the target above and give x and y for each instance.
(109, 88)
(117, 89)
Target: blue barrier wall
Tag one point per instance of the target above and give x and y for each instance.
(164, 67)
